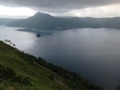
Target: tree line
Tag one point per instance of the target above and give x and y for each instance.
(72, 79)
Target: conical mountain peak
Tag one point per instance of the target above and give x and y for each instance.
(39, 14)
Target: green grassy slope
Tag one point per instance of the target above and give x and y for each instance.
(20, 71)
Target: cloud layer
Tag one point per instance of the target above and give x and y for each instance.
(66, 6)
(59, 4)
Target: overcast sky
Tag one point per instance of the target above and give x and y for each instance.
(80, 8)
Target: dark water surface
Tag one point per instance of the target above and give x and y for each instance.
(92, 53)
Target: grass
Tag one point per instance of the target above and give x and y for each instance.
(41, 75)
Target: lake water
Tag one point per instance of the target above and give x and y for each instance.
(92, 53)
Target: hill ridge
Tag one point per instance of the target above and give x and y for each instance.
(37, 73)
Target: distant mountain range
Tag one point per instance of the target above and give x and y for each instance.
(48, 22)
(5, 21)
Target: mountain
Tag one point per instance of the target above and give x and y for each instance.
(104, 22)
(21, 71)
(97, 22)
(112, 23)
(48, 22)
(5, 21)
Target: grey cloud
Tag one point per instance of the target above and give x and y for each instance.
(54, 5)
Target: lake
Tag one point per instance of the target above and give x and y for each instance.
(92, 53)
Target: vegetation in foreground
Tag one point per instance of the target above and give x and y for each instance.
(21, 71)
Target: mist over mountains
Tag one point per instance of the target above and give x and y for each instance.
(47, 22)
(5, 21)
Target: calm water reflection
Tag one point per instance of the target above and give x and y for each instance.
(92, 53)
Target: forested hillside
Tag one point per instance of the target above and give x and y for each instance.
(21, 71)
